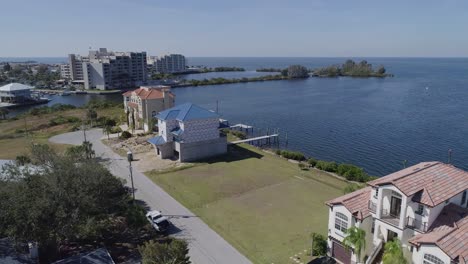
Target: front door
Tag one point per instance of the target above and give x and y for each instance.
(395, 207)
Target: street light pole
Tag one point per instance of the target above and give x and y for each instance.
(130, 159)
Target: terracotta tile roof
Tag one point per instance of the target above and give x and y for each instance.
(431, 183)
(449, 232)
(356, 202)
(149, 92)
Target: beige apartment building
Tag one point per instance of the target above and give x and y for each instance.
(142, 104)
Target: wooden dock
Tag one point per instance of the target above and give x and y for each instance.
(266, 138)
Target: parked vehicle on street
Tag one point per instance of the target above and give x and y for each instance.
(158, 221)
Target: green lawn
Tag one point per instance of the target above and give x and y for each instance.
(263, 205)
(14, 142)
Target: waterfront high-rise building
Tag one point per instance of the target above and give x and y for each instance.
(106, 70)
(171, 63)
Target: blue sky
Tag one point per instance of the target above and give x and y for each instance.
(323, 28)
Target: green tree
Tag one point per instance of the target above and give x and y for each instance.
(22, 160)
(173, 252)
(108, 130)
(91, 114)
(297, 71)
(355, 238)
(393, 253)
(4, 112)
(62, 199)
(7, 67)
(381, 70)
(319, 244)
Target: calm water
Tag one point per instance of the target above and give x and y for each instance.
(374, 123)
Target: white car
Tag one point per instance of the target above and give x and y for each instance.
(158, 221)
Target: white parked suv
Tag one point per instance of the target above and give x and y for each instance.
(158, 221)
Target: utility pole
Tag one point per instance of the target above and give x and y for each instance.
(130, 159)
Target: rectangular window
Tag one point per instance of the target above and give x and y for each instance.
(373, 226)
(420, 209)
(463, 198)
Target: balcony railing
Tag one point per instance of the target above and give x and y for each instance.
(416, 224)
(390, 218)
(372, 206)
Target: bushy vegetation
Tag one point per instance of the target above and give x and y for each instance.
(226, 69)
(221, 80)
(173, 251)
(297, 71)
(50, 109)
(319, 244)
(352, 187)
(23, 73)
(329, 166)
(352, 69)
(294, 155)
(269, 70)
(100, 104)
(312, 162)
(59, 120)
(303, 166)
(125, 135)
(348, 171)
(238, 134)
(67, 200)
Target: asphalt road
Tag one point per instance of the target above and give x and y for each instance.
(205, 245)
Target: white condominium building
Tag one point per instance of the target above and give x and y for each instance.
(105, 70)
(172, 63)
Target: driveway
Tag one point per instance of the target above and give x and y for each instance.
(206, 246)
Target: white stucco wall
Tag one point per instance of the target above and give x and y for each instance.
(418, 255)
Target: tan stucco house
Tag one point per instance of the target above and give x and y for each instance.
(145, 102)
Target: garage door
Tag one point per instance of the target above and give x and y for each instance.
(340, 253)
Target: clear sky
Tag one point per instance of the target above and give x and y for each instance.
(325, 28)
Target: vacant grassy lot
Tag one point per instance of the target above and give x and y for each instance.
(263, 205)
(15, 141)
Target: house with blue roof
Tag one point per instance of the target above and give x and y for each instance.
(188, 132)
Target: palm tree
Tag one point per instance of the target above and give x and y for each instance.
(356, 239)
(393, 253)
(108, 130)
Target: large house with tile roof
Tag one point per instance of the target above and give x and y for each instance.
(424, 206)
(188, 132)
(145, 102)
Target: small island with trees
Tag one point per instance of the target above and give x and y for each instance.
(351, 69)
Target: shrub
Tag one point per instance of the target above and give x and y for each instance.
(278, 152)
(59, 120)
(239, 134)
(175, 251)
(293, 155)
(22, 160)
(116, 130)
(319, 245)
(302, 166)
(312, 162)
(125, 135)
(352, 172)
(351, 188)
(329, 166)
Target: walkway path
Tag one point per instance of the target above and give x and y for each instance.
(206, 246)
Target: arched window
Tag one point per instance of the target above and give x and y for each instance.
(431, 259)
(341, 222)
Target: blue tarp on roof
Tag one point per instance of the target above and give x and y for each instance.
(187, 111)
(159, 140)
